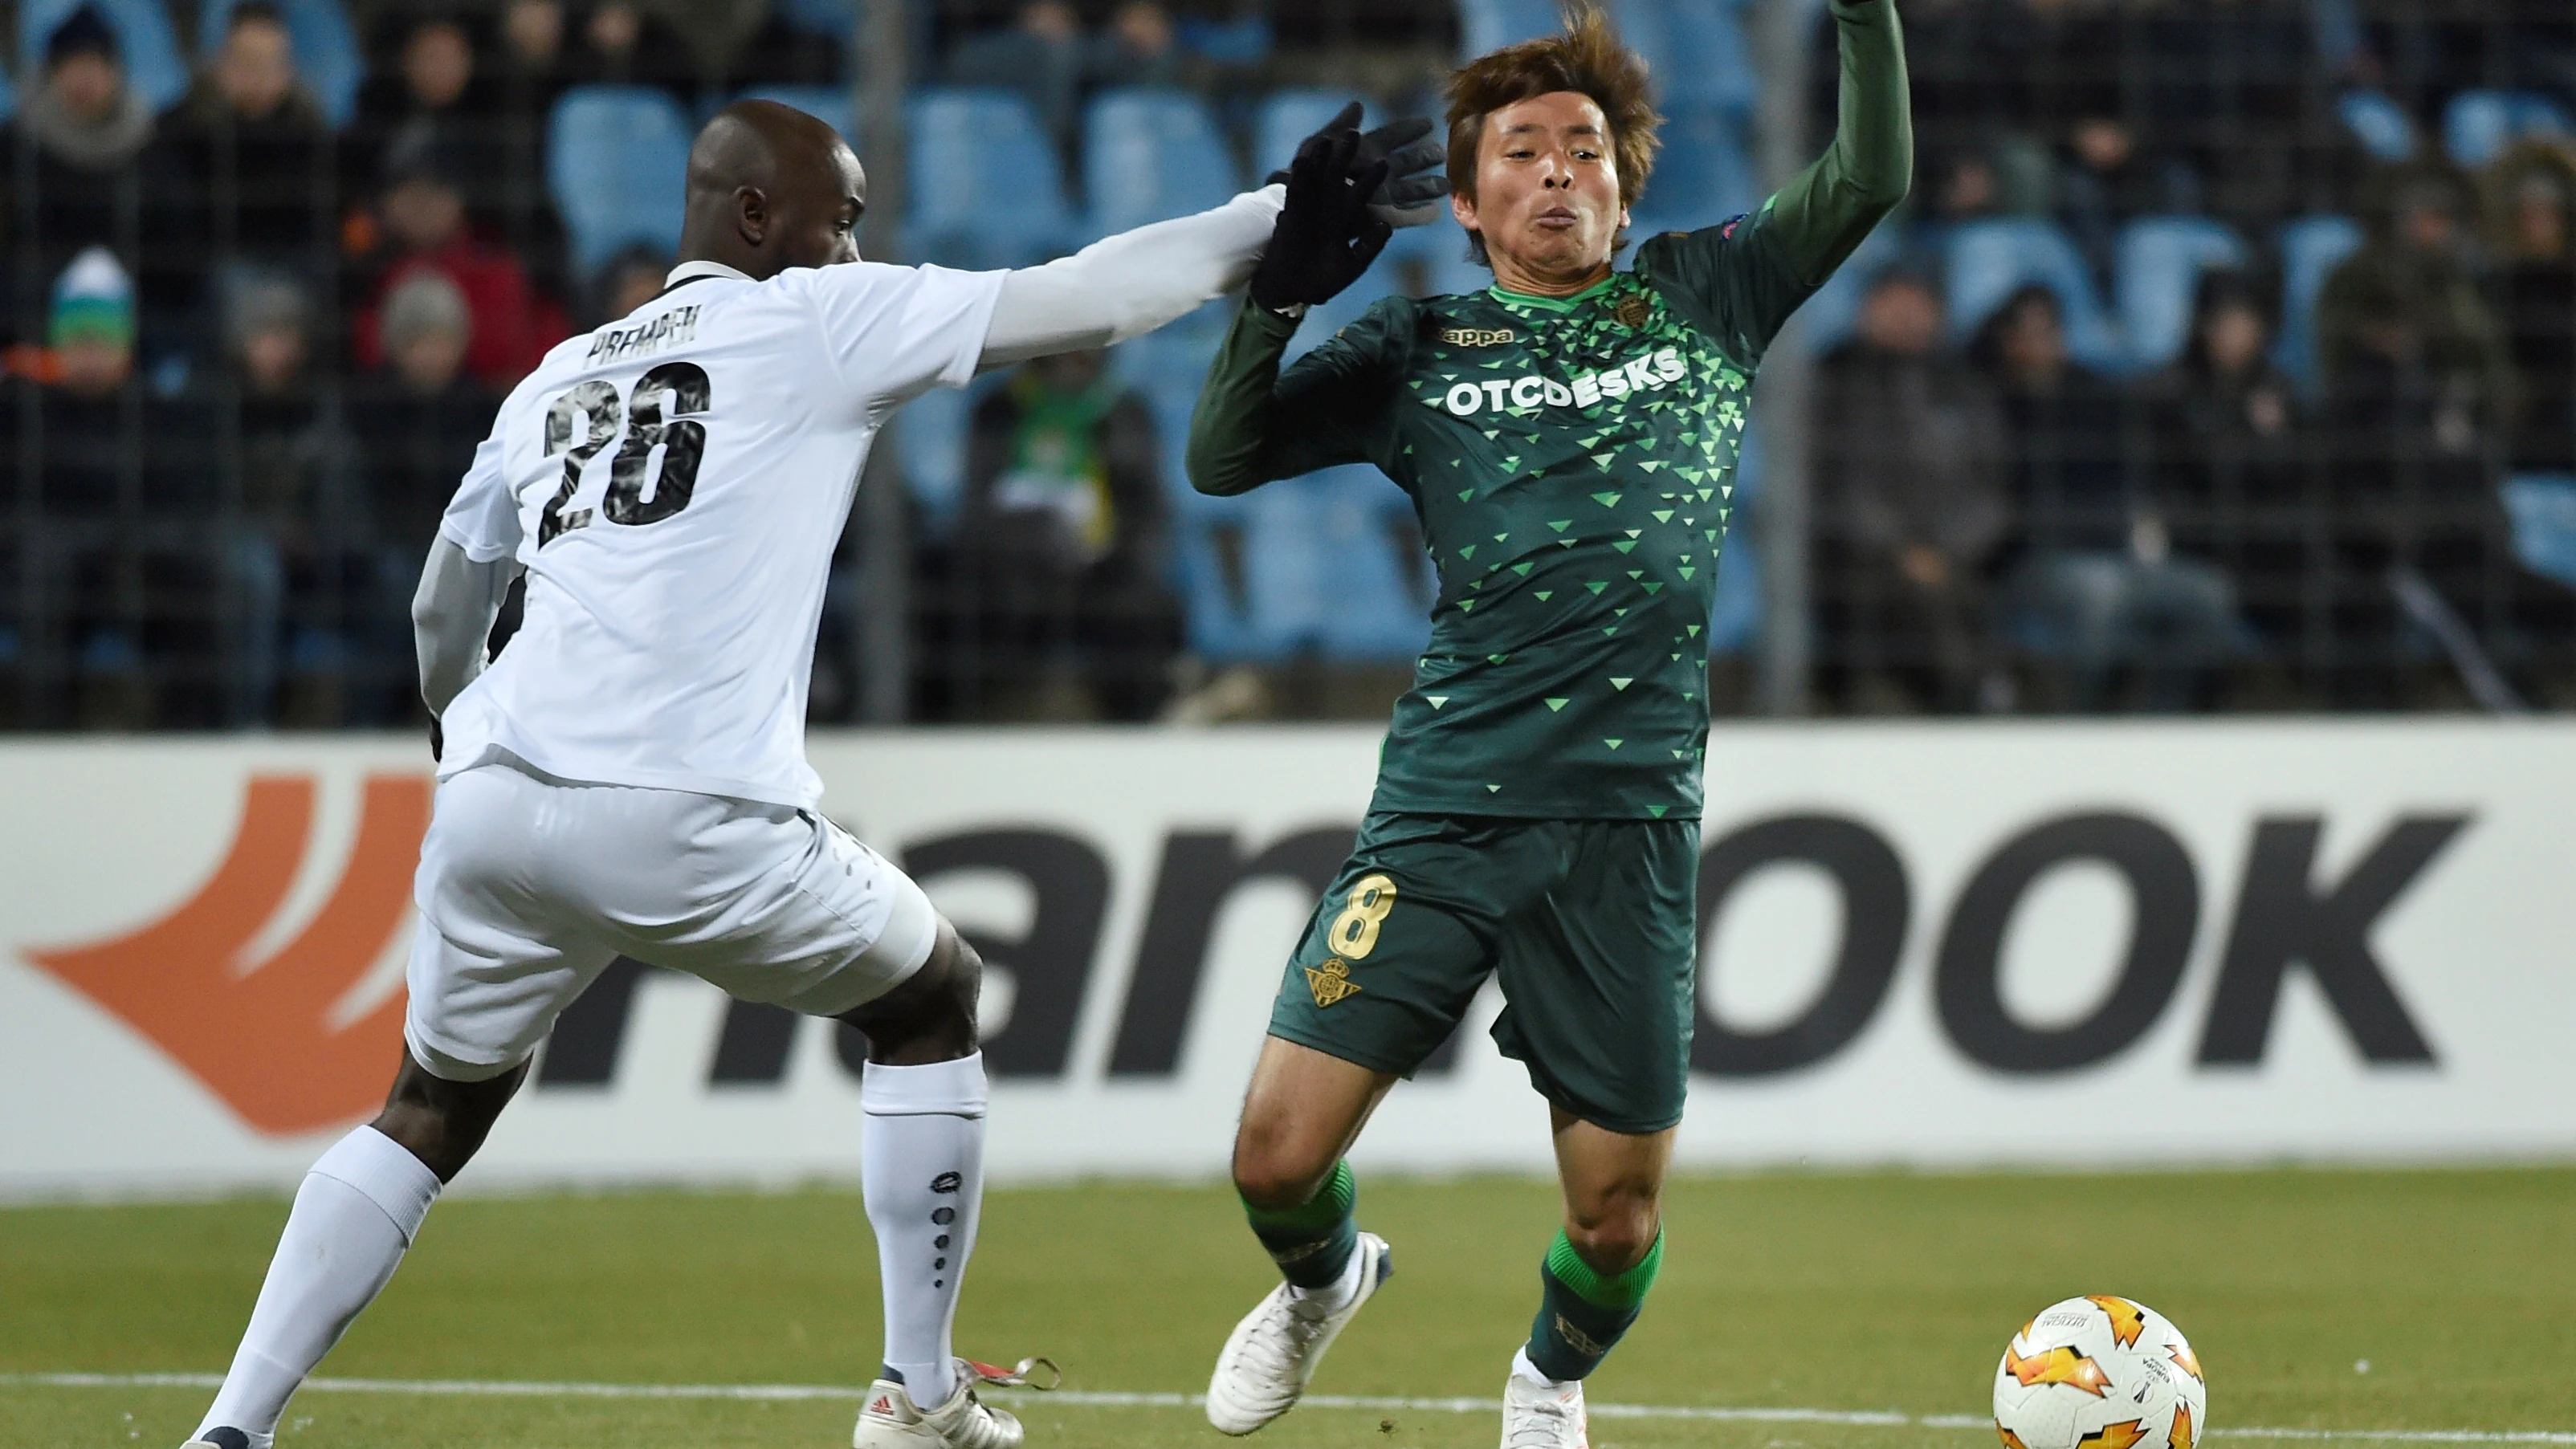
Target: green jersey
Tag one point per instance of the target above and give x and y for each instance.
(1572, 461)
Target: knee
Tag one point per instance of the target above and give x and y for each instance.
(1613, 1235)
(931, 1016)
(1272, 1171)
(443, 1123)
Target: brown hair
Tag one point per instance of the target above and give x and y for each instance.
(1586, 58)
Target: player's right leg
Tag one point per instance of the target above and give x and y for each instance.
(1388, 965)
(486, 980)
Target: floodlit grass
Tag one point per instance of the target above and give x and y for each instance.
(1882, 1292)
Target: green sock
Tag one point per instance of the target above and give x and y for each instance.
(1312, 1242)
(1581, 1313)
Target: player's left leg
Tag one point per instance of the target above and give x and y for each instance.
(780, 906)
(1600, 985)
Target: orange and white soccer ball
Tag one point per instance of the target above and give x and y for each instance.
(2100, 1373)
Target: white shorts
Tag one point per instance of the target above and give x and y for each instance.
(530, 885)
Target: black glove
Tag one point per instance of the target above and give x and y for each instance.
(1407, 197)
(1326, 236)
(1416, 181)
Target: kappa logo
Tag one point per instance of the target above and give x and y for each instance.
(1479, 336)
(261, 1035)
(1331, 982)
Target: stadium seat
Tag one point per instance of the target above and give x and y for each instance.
(1833, 313)
(1701, 178)
(1735, 612)
(930, 437)
(150, 46)
(1287, 117)
(1149, 155)
(617, 164)
(986, 187)
(827, 103)
(1435, 255)
(1485, 25)
(2379, 123)
(1987, 261)
(2479, 125)
(326, 49)
(2311, 248)
(2542, 507)
(2156, 278)
(1712, 67)
(1378, 584)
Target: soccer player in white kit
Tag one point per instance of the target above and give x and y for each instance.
(629, 776)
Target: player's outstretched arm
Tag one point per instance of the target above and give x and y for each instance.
(1129, 284)
(1830, 207)
(451, 617)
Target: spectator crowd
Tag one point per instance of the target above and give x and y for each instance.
(261, 313)
(2296, 497)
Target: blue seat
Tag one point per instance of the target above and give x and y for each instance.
(1712, 63)
(1735, 612)
(2542, 507)
(2311, 248)
(1149, 155)
(930, 439)
(1832, 315)
(1986, 262)
(1485, 25)
(986, 187)
(1701, 178)
(2479, 125)
(1288, 117)
(1435, 256)
(2156, 277)
(2379, 123)
(617, 164)
(326, 49)
(829, 104)
(1379, 586)
(144, 39)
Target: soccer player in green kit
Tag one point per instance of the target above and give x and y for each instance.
(1569, 437)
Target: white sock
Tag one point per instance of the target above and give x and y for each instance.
(357, 1211)
(1528, 1373)
(1335, 1296)
(922, 1168)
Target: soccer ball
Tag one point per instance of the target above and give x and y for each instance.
(2100, 1373)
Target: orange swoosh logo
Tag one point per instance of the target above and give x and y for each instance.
(2128, 1320)
(2058, 1366)
(260, 1041)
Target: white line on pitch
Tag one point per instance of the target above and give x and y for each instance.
(1077, 1398)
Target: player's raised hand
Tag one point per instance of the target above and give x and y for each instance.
(1408, 197)
(1326, 234)
(1416, 183)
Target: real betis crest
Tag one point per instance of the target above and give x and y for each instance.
(1632, 311)
(1331, 981)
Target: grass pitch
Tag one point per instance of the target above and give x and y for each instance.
(1843, 1293)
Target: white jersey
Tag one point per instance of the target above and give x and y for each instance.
(674, 484)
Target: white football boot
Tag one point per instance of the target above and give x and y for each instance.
(1271, 1355)
(1543, 1418)
(892, 1421)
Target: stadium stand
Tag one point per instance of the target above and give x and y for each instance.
(617, 163)
(1148, 155)
(326, 49)
(148, 45)
(987, 188)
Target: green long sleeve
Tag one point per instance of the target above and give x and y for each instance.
(1230, 426)
(1826, 211)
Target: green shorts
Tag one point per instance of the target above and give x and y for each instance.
(1591, 925)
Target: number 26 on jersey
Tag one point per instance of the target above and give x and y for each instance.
(657, 415)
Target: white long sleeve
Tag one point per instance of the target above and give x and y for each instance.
(1127, 285)
(451, 617)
